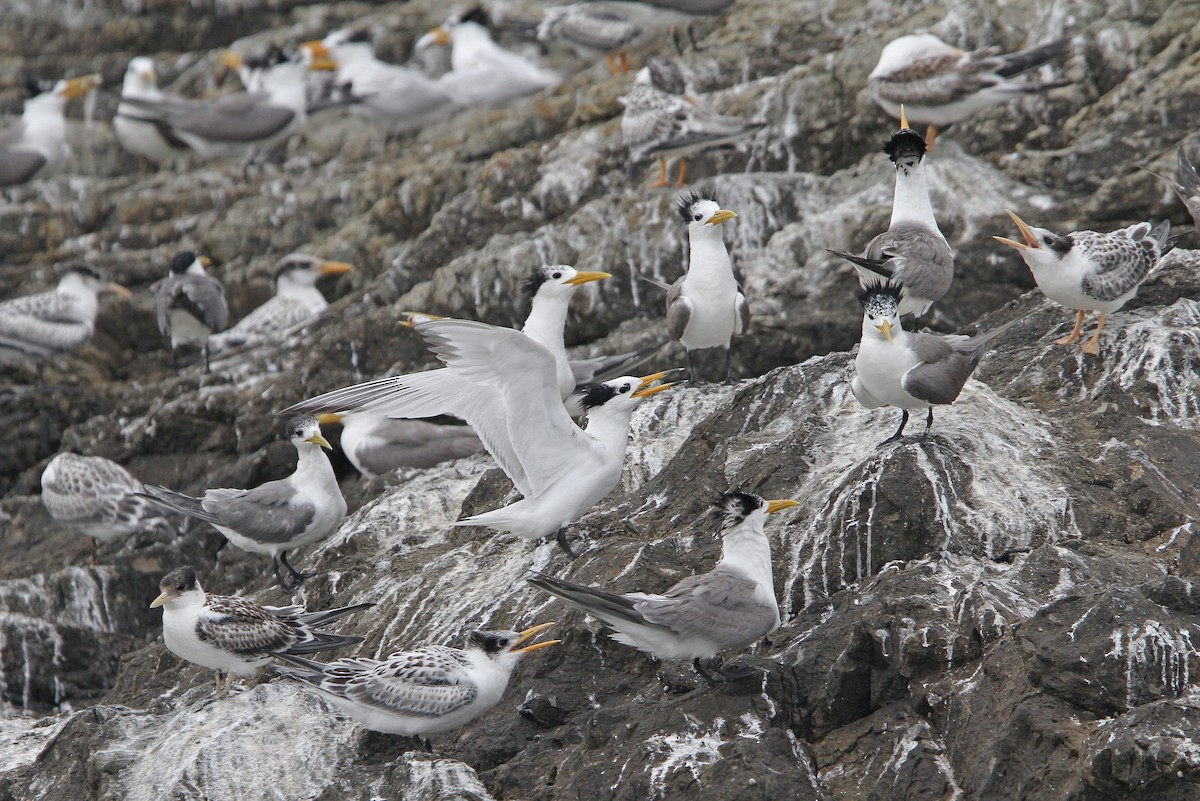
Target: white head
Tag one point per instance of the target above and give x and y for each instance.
(739, 507)
(501, 646)
(299, 271)
(881, 311)
(902, 52)
(1042, 248)
(621, 395)
(44, 97)
(558, 282)
(85, 281)
(702, 214)
(140, 77)
(179, 588)
(305, 431)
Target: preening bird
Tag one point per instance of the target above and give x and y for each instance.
(190, 304)
(1090, 271)
(35, 145)
(731, 606)
(236, 636)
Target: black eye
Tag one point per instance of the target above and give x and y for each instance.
(624, 388)
(697, 218)
(556, 275)
(1047, 240)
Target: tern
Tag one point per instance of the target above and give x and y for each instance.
(941, 85)
(138, 132)
(35, 145)
(1188, 185)
(705, 306)
(912, 251)
(663, 119)
(97, 497)
(278, 516)
(611, 29)
(424, 691)
(908, 371)
(377, 445)
(190, 304)
(236, 636)
(507, 387)
(1090, 271)
(731, 606)
(296, 301)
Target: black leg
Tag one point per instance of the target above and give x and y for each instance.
(561, 539)
(675, 41)
(691, 368)
(899, 431)
(297, 575)
(704, 674)
(692, 38)
(728, 366)
(929, 420)
(207, 366)
(279, 576)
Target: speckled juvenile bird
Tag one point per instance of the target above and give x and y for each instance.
(424, 691)
(1091, 271)
(97, 497)
(190, 304)
(236, 636)
(912, 251)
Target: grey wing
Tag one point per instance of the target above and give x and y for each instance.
(605, 368)
(719, 606)
(415, 443)
(690, 127)
(597, 28)
(742, 320)
(426, 683)
(243, 627)
(921, 259)
(269, 513)
(1122, 263)
(946, 364)
(679, 310)
(19, 166)
(935, 81)
(239, 118)
(42, 324)
(204, 297)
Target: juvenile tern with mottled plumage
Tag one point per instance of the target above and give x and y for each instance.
(731, 606)
(278, 516)
(1090, 271)
(237, 636)
(424, 691)
(940, 85)
(663, 118)
(611, 29)
(508, 388)
(912, 251)
(190, 304)
(57, 321)
(97, 497)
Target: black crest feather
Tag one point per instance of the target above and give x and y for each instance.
(476, 15)
(734, 507)
(86, 269)
(361, 35)
(182, 260)
(36, 86)
(905, 144)
(684, 203)
(535, 280)
(490, 641)
(596, 395)
(876, 289)
(181, 579)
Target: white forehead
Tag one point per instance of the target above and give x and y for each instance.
(141, 64)
(900, 53)
(705, 208)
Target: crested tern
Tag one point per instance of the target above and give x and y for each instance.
(56, 321)
(190, 304)
(35, 145)
(278, 516)
(1091, 271)
(236, 636)
(425, 691)
(137, 132)
(731, 606)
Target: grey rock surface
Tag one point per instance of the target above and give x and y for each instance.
(1005, 608)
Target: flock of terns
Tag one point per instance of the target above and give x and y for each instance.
(520, 395)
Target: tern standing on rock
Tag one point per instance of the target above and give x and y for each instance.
(912, 251)
(278, 516)
(35, 145)
(138, 133)
(705, 306)
(57, 321)
(908, 371)
(731, 606)
(1090, 271)
(190, 304)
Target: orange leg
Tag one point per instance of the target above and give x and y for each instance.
(931, 135)
(612, 64)
(1092, 346)
(662, 172)
(1073, 337)
(624, 62)
(682, 172)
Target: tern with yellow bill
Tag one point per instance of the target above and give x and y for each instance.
(424, 691)
(35, 145)
(190, 304)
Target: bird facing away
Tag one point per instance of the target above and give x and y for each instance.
(378, 445)
(97, 497)
(35, 145)
(912, 251)
(731, 606)
(940, 85)
(278, 516)
(663, 119)
(908, 371)
(138, 132)
(57, 321)
(506, 386)
(481, 71)
(705, 306)
(425, 691)
(1188, 185)
(296, 301)
(190, 304)
(236, 636)
(1090, 271)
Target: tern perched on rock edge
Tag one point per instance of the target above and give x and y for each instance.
(705, 306)
(507, 387)
(912, 251)
(731, 606)
(35, 145)
(663, 119)
(278, 516)
(1090, 271)
(421, 692)
(97, 497)
(237, 636)
(57, 321)
(296, 301)
(138, 132)
(941, 85)
(190, 304)
(908, 371)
